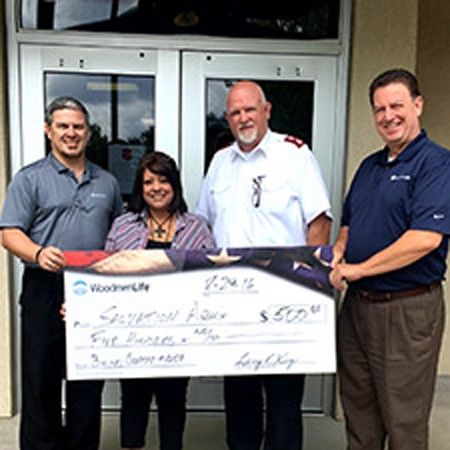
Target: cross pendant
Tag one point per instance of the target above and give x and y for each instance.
(160, 231)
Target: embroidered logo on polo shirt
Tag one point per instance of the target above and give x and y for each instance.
(400, 177)
(438, 216)
(98, 195)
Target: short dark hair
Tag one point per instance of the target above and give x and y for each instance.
(161, 164)
(65, 103)
(395, 76)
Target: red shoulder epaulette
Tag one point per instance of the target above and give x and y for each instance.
(294, 140)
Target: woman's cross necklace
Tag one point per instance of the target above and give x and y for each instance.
(159, 230)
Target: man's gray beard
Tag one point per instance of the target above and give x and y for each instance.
(247, 139)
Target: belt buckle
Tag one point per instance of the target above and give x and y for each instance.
(366, 294)
(362, 293)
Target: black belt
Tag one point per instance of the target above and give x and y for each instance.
(380, 296)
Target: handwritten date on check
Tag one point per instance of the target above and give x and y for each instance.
(228, 321)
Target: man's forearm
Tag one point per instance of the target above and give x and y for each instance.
(340, 245)
(319, 230)
(409, 248)
(19, 244)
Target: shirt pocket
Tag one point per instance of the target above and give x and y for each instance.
(221, 194)
(397, 196)
(276, 196)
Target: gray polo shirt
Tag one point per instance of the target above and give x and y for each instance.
(47, 203)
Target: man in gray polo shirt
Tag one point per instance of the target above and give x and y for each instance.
(62, 202)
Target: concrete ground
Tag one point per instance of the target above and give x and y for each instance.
(205, 431)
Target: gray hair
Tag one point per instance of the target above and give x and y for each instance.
(65, 103)
(262, 94)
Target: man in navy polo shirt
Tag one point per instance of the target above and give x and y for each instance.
(61, 202)
(394, 233)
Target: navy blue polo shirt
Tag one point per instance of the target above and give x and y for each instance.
(46, 202)
(386, 199)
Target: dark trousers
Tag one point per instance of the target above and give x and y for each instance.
(244, 412)
(43, 369)
(388, 353)
(170, 396)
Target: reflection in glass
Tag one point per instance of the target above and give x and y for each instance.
(283, 19)
(29, 13)
(70, 14)
(122, 118)
(126, 6)
(292, 111)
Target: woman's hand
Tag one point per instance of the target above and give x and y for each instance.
(62, 311)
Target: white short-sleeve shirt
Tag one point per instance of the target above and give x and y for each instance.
(266, 197)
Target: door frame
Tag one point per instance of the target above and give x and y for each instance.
(181, 124)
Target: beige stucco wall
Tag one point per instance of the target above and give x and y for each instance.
(384, 36)
(433, 69)
(5, 310)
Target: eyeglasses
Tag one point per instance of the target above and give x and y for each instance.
(257, 190)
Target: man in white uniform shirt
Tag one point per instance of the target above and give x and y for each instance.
(263, 190)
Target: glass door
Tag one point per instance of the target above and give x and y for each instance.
(302, 91)
(133, 100)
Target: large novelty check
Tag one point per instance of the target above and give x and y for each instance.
(214, 320)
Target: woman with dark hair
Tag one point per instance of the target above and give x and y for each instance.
(156, 218)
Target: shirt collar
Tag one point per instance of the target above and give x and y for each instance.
(61, 168)
(181, 222)
(143, 215)
(262, 147)
(408, 152)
